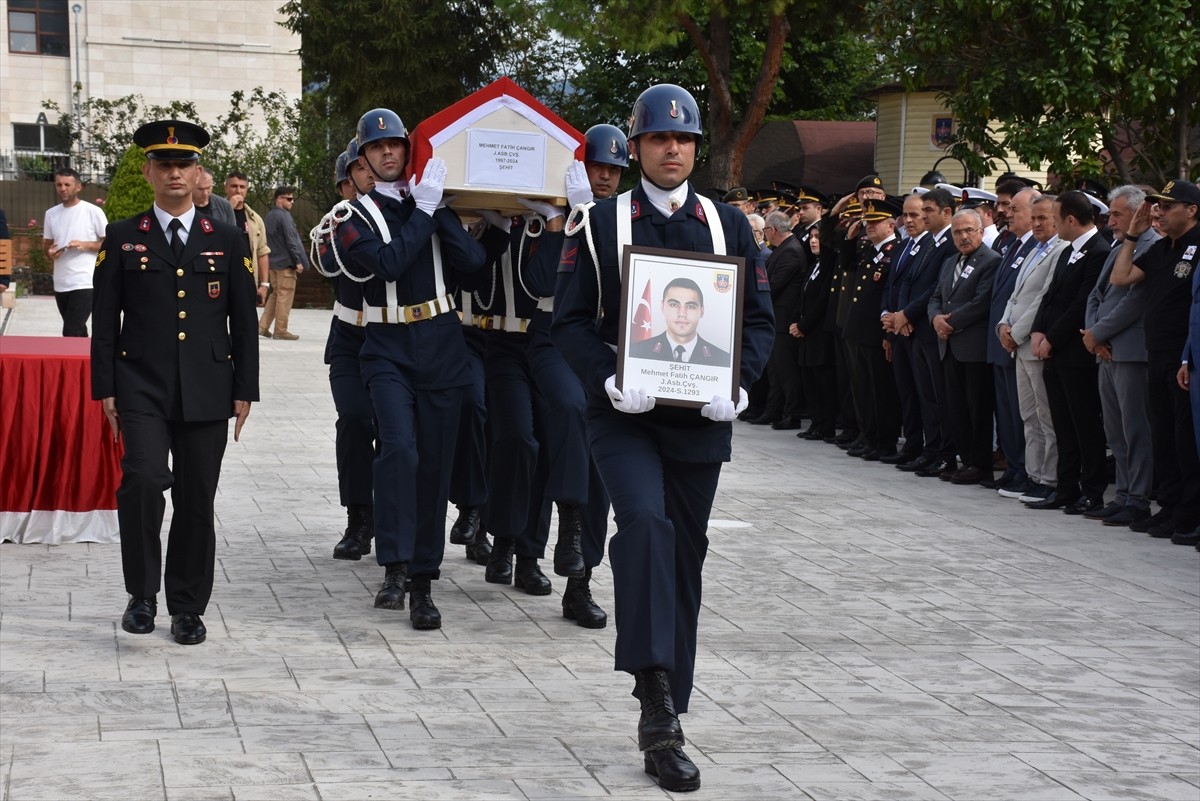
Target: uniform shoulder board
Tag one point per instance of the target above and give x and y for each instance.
(249, 266)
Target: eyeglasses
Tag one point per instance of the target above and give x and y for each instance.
(288, 198)
(964, 231)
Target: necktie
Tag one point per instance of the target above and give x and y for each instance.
(679, 353)
(176, 240)
(958, 270)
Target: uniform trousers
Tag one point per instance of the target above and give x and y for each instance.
(970, 395)
(1041, 443)
(874, 394)
(821, 389)
(571, 474)
(516, 478)
(355, 427)
(847, 414)
(196, 450)
(662, 507)
(1009, 429)
(784, 396)
(417, 429)
(906, 388)
(468, 483)
(1176, 468)
(935, 408)
(279, 304)
(1123, 401)
(75, 307)
(1075, 410)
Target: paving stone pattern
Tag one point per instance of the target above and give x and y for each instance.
(865, 635)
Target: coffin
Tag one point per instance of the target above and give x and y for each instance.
(499, 144)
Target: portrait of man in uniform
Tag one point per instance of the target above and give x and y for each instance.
(680, 341)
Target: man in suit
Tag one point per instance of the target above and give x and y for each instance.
(1116, 336)
(1014, 332)
(787, 272)
(958, 312)
(1014, 250)
(683, 309)
(1070, 371)
(174, 356)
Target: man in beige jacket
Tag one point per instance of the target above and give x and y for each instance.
(252, 228)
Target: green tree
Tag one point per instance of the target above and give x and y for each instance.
(1078, 87)
(129, 193)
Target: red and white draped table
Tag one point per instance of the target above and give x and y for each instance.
(59, 466)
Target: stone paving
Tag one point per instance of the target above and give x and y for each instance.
(865, 635)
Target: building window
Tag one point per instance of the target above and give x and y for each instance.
(39, 138)
(38, 27)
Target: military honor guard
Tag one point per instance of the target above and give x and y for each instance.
(660, 464)
(174, 356)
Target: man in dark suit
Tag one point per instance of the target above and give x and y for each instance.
(787, 271)
(1070, 371)
(683, 308)
(174, 356)
(958, 312)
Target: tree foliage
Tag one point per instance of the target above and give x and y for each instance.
(129, 193)
(1078, 86)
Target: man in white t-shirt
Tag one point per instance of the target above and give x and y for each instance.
(72, 235)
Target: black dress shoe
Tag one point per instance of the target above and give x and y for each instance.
(1126, 517)
(1144, 525)
(935, 469)
(465, 527)
(391, 592)
(970, 475)
(764, 420)
(360, 530)
(188, 628)
(658, 726)
(913, 465)
(673, 770)
(787, 424)
(857, 450)
(750, 414)
(578, 604)
(1084, 504)
(139, 615)
(1111, 508)
(1186, 537)
(1052, 501)
(421, 611)
(568, 550)
(530, 578)
(899, 458)
(499, 566)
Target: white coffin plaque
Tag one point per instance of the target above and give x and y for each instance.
(505, 159)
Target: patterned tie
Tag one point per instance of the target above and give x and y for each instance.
(176, 240)
(958, 270)
(679, 353)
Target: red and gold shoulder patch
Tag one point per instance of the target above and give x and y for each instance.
(347, 235)
(144, 224)
(206, 225)
(570, 252)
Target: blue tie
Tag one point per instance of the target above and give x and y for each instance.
(902, 262)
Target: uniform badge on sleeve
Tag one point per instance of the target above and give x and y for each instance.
(347, 235)
(100, 257)
(249, 266)
(214, 289)
(760, 278)
(566, 262)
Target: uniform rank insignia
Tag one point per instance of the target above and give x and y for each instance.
(249, 266)
(1183, 269)
(214, 289)
(760, 278)
(144, 224)
(206, 225)
(700, 212)
(635, 209)
(566, 262)
(100, 257)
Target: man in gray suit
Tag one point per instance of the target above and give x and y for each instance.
(958, 311)
(1113, 331)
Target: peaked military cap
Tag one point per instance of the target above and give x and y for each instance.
(736, 195)
(171, 139)
(876, 210)
(868, 181)
(1178, 192)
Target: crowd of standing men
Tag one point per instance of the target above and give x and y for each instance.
(959, 333)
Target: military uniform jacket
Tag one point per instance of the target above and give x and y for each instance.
(587, 344)
(430, 352)
(177, 338)
(866, 287)
(1060, 316)
(968, 302)
(787, 270)
(503, 288)
(920, 279)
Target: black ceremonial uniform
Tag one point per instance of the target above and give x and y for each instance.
(660, 468)
(871, 380)
(175, 341)
(814, 350)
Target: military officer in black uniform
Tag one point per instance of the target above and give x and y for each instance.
(174, 356)
(660, 464)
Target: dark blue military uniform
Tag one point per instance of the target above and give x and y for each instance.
(415, 370)
(658, 551)
(175, 341)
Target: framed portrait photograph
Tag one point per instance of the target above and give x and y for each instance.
(681, 325)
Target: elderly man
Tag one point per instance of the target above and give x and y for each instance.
(958, 312)
(787, 270)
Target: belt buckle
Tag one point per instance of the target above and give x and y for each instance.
(413, 314)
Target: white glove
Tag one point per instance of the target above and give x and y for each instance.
(428, 193)
(494, 219)
(632, 401)
(722, 410)
(545, 209)
(579, 188)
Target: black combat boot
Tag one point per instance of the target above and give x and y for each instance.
(500, 564)
(530, 578)
(658, 726)
(480, 550)
(673, 770)
(465, 527)
(421, 611)
(577, 603)
(568, 551)
(360, 530)
(391, 593)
